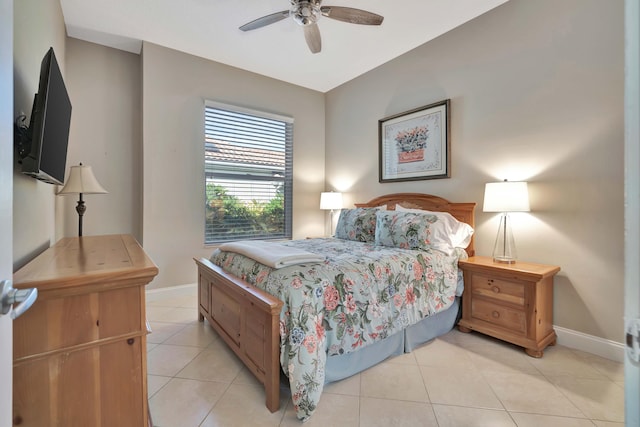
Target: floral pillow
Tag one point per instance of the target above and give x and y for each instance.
(406, 230)
(447, 233)
(357, 224)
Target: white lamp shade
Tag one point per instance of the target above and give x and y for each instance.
(331, 200)
(506, 196)
(82, 180)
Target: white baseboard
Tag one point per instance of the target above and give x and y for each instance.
(171, 291)
(591, 344)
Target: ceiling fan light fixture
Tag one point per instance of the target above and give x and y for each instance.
(305, 12)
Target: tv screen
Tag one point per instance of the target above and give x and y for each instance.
(49, 125)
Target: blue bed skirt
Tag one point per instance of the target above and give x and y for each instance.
(346, 365)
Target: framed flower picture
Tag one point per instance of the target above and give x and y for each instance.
(415, 144)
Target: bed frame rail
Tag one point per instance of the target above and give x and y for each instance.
(247, 319)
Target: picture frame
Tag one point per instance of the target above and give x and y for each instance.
(415, 144)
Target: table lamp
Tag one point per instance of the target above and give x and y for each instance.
(505, 197)
(81, 181)
(330, 201)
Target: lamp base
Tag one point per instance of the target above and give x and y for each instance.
(504, 260)
(331, 223)
(81, 208)
(504, 249)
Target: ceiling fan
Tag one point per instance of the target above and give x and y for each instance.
(307, 13)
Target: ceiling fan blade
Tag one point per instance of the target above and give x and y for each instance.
(312, 35)
(265, 20)
(351, 15)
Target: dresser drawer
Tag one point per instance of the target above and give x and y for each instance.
(497, 289)
(53, 324)
(58, 323)
(506, 317)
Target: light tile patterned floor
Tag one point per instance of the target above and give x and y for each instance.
(456, 380)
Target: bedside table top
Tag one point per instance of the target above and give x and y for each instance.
(519, 267)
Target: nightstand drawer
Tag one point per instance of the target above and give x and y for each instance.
(505, 317)
(498, 289)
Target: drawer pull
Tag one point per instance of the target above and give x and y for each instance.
(495, 314)
(495, 289)
(130, 341)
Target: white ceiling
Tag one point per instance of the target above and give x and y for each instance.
(209, 29)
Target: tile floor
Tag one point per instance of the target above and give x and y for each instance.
(456, 380)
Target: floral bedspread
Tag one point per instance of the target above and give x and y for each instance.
(362, 293)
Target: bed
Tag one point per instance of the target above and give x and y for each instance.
(311, 320)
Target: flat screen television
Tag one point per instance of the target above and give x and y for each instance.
(45, 155)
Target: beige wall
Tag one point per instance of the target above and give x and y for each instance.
(174, 88)
(535, 95)
(536, 91)
(38, 25)
(104, 85)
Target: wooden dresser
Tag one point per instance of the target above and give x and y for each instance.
(80, 351)
(512, 302)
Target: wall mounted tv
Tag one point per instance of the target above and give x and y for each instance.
(43, 145)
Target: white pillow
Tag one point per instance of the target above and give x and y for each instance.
(447, 233)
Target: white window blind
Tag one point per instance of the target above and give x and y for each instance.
(248, 174)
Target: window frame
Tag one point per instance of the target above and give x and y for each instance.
(210, 238)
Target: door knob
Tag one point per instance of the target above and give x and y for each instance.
(24, 298)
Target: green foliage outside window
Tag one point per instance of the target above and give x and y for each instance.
(229, 218)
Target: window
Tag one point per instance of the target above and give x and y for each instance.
(248, 174)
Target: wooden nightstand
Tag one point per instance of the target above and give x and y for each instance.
(512, 302)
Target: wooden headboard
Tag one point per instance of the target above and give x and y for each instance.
(461, 211)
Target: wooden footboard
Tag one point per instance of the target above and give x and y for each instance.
(247, 319)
